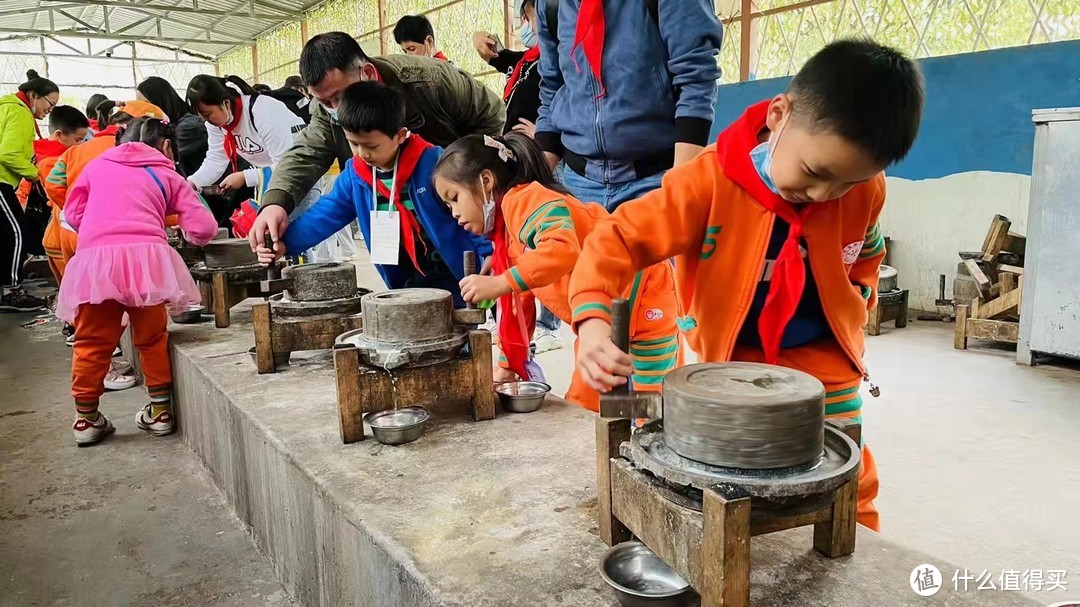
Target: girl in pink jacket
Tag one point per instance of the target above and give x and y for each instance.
(125, 264)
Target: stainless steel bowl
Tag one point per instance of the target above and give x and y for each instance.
(522, 396)
(398, 426)
(281, 359)
(640, 578)
(192, 315)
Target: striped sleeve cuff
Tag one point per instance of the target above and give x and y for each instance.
(517, 283)
(591, 304)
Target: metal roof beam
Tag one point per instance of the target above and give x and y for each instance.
(77, 20)
(219, 40)
(124, 59)
(149, 6)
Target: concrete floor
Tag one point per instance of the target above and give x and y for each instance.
(133, 521)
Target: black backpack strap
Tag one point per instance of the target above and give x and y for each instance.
(551, 12)
(251, 110)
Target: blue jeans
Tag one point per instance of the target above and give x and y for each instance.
(610, 195)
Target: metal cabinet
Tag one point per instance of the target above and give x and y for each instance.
(1050, 308)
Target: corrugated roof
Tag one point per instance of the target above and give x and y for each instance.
(202, 27)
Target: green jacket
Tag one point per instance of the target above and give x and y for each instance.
(16, 141)
(442, 104)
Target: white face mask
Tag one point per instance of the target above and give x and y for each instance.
(228, 113)
(489, 211)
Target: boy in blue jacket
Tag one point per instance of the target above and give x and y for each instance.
(387, 187)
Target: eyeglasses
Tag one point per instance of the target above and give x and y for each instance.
(51, 103)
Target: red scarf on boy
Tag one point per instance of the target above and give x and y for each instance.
(512, 309)
(26, 100)
(236, 104)
(530, 56)
(408, 156)
(733, 148)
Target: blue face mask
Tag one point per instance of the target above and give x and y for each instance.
(527, 34)
(762, 157)
(332, 112)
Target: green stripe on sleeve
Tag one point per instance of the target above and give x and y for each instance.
(592, 307)
(518, 280)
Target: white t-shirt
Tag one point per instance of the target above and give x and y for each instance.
(262, 138)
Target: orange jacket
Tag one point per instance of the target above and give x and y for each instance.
(718, 236)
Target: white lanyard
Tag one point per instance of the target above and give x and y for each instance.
(393, 186)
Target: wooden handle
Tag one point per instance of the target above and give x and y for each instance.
(470, 269)
(273, 271)
(620, 334)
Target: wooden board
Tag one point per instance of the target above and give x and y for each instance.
(1015, 243)
(1010, 269)
(725, 551)
(1006, 304)
(836, 536)
(671, 531)
(981, 279)
(264, 340)
(960, 330)
(995, 237)
(349, 397)
(610, 433)
(313, 333)
(483, 396)
(1007, 281)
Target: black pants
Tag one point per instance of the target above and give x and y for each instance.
(12, 231)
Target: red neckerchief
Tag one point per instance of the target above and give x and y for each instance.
(47, 148)
(530, 56)
(26, 100)
(237, 106)
(789, 272)
(589, 33)
(109, 131)
(93, 124)
(408, 157)
(512, 309)
(440, 56)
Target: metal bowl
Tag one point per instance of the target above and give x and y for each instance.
(522, 396)
(192, 315)
(640, 578)
(281, 359)
(398, 426)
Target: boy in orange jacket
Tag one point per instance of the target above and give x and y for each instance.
(774, 231)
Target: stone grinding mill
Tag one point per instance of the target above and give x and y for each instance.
(413, 349)
(228, 274)
(734, 450)
(313, 304)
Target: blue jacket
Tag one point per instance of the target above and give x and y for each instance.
(660, 75)
(350, 198)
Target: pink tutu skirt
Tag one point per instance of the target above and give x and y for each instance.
(135, 275)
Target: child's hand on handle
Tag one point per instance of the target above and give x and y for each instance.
(601, 363)
(501, 375)
(272, 219)
(477, 288)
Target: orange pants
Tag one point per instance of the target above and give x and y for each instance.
(826, 361)
(97, 332)
(655, 345)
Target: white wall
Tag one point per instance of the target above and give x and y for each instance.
(930, 221)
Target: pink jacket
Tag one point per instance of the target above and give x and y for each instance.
(123, 196)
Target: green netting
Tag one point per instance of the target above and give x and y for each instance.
(238, 62)
(278, 52)
(353, 16)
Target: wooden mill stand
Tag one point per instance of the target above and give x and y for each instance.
(710, 549)
(465, 380)
(278, 337)
(223, 288)
(891, 306)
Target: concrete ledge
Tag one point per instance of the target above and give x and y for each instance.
(498, 513)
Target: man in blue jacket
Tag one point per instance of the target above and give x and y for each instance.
(628, 88)
(413, 239)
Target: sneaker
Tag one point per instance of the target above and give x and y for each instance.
(17, 300)
(69, 341)
(122, 367)
(546, 341)
(88, 433)
(117, 381)
(161, 425)
(117, 352)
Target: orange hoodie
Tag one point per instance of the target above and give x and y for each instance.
(545, 231)
(718, 235)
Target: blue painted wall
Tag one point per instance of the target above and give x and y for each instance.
(978, 107)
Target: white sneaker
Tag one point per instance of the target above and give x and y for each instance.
(117, 352)
(88, 433)
(122, 367)
(117, 381)
(161, 425)
(69, 341)
(546, 341)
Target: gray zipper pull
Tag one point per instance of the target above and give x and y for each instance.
(874, 390)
